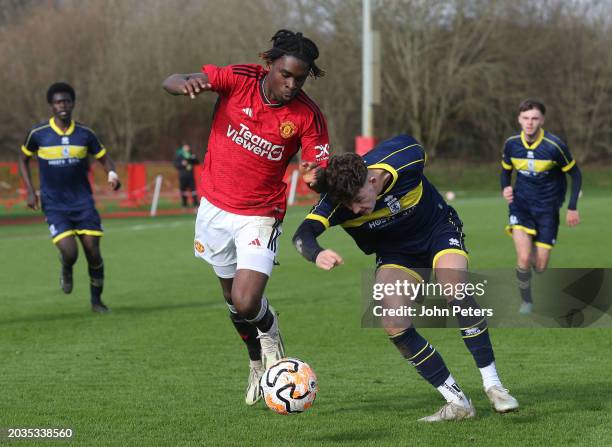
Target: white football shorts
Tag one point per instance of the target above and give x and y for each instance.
(230, 242)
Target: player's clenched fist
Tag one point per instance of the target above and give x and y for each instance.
(308, 170)
(572, 218)
(328, 259)
(508, 194)
(32, 200)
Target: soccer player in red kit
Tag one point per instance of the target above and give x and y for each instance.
(262, 119)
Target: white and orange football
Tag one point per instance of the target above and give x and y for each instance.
(289, 386)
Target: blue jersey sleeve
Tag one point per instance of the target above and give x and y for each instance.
(30, 145)
(400, 156)
(563, 157)
(94, 146)
(506, 158)
(327, 212)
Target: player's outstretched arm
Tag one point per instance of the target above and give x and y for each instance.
(24, 168)
(187, 84)
(305, 242)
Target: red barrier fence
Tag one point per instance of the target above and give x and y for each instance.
(138, 184)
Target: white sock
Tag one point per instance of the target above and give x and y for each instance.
(489, 376)
(257, 364)
(452, 393)
(262, 311)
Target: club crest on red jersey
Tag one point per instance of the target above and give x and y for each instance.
(287, 129)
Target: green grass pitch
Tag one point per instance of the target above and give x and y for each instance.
(166, 368)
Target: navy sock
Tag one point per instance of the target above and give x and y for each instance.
(248, 333)
(524, 283)
(421, 355)
(475, 332)
(96, 283)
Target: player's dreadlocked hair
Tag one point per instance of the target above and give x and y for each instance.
(288, 43)
(344, 177)
(60, 87)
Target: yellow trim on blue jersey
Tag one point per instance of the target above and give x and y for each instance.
(26, 151)
(318, 218)
(447, 251)
(61, 236)
(506, 166)
(510, 228)
(101, 154)
(522, 164)
(57, 152)
(32, 133)
(476, 335)
(411, 163)
(536, 143)
(411, 272)
(399, 150)
(391, 170)
(59, 131)
(90, 232)
(543, 245)
(558, 148)
(407, 201)
(569, 166)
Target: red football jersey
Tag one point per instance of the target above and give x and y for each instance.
(251, 142)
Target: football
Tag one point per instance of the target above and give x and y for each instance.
(289, 386)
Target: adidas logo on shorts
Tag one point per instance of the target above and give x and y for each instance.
(255, 242)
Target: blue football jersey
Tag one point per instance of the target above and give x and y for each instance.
(63, 163)
(407, 210)
(541, 166)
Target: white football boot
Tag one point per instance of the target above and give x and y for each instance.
(500, 399)
(272, 347)
(526, 308)
(253, 390)
(451, 412)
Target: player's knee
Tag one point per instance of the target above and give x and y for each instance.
(540, 266)
(246, 308)
(524, 260)
(69, 257)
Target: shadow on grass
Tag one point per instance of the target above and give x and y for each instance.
(117, 311)
(538, 402)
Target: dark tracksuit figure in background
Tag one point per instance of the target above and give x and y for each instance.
(184, 162)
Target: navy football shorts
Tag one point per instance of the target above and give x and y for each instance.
(73, 222)
(543, 226)
(419, 255)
